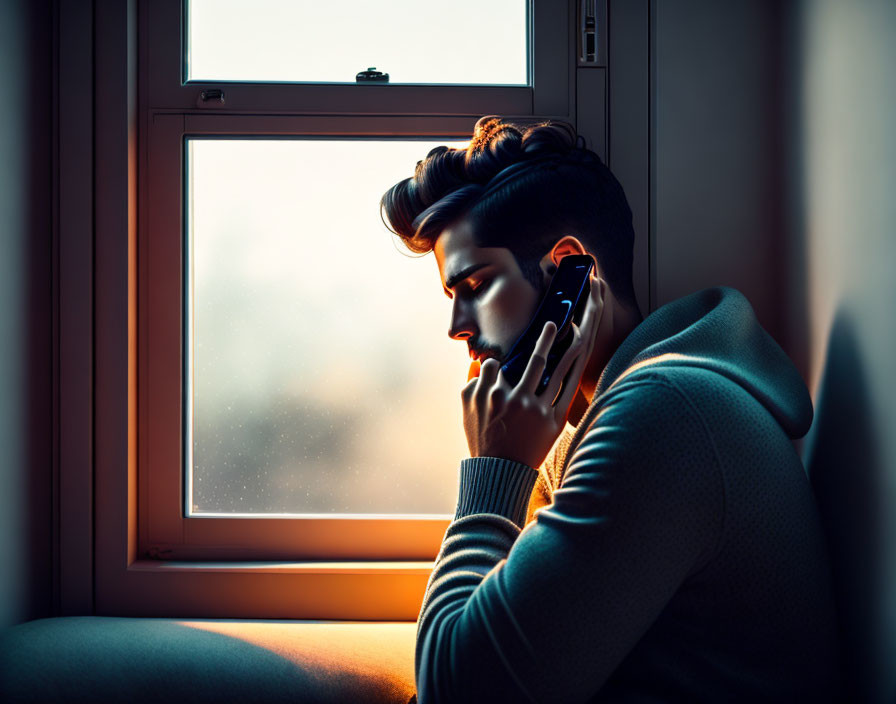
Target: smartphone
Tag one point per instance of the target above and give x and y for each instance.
(563, 303)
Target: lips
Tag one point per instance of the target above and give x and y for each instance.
(479, 356)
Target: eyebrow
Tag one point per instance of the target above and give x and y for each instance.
(455, 279)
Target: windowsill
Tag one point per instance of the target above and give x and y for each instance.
(278, 567)
(358, 590)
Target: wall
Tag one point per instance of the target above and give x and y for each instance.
(840, 115)
(714, 159)
(774, 171)
(25, 311)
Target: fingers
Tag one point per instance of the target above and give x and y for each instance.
(491, 389)
(576, 357)
(593, 310)
(595, 301)
(466, 393)
(497, 397)
(484, 387)
(535, 368)
(488, 372)
(572, 354)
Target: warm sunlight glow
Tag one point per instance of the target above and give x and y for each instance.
(339, 648)
(323, 378)
(460, 41)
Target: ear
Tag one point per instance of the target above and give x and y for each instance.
(566, 245)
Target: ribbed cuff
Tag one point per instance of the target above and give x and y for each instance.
(495, 485)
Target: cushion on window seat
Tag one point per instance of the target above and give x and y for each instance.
(97, 658)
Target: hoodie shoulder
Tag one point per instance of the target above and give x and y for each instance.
(716, 330)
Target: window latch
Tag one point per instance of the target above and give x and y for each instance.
(371, 75)
(588, 31)
(210, 97)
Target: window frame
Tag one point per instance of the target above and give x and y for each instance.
(133, 573)
(174, 112)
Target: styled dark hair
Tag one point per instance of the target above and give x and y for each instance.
(522, 188)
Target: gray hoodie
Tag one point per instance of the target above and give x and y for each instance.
(671, 551)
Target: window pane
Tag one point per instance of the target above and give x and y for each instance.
(460, 41)
(321, 376)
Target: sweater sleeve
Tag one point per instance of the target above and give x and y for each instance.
(545, 613)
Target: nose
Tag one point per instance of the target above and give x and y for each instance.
(462, 326)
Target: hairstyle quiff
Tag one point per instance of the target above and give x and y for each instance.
(522, 188)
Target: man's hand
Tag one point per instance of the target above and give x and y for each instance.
(513, 422)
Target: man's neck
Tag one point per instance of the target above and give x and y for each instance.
(609, 337)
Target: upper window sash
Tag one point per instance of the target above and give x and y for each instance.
(551, 94)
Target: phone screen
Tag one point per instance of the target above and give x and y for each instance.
(563, 303)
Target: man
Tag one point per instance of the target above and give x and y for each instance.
(668, 547)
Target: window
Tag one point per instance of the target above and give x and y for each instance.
(300, 562)
(272, 40)
(320, 378)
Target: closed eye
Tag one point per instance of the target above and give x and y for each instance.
(480, 288)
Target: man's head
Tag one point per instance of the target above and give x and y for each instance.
(500, 214)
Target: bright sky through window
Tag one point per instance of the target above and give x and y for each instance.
(323, 378)
(414, 41)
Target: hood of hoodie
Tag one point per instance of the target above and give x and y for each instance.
(717, 329)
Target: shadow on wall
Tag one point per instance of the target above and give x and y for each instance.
(844, 467)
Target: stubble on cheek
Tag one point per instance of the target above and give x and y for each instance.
(504, 317)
